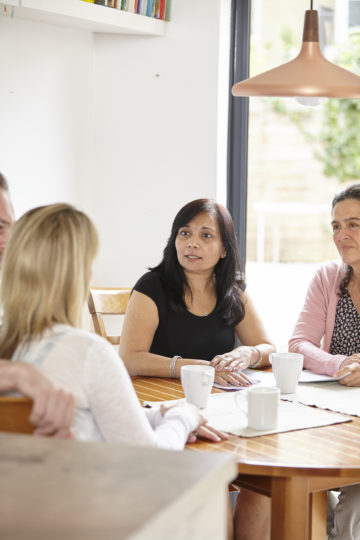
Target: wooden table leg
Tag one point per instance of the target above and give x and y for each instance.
(318, 513)
(290, 508)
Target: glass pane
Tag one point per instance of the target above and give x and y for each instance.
(299, 157)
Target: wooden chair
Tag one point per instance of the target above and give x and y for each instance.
(14, 414)
(107, 301)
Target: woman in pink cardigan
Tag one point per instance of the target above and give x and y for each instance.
(327, 332)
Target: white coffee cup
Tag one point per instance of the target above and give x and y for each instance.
(287, 368)
(197, 382)
(262, 407)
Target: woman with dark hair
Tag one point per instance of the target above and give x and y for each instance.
(188, 309)
(327, 332)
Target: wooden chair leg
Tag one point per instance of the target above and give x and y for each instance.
(318, 513)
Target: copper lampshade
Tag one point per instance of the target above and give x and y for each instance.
(308, 75)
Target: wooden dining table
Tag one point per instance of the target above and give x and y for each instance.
(295, 468)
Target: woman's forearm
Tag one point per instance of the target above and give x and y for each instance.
(262, 356)
(155, 365)
(9, 374)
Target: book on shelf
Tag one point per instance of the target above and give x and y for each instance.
(162, 9)
(149, 9)
(167, 10)
(158, 9)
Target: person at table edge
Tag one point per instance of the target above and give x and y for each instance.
(327, 333)
(188, 309)
(53, 408)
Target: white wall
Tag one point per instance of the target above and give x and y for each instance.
(155, 135)
(45, 112)
(123, 126)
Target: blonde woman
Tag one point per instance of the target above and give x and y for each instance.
(46, 274)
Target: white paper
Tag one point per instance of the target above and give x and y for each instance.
(327, 395)
(308, 376)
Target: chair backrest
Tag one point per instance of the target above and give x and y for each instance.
(107, 301)
(14, 414)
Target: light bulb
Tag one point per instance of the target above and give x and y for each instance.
(308, 101)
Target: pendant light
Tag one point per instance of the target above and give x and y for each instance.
(308, 75)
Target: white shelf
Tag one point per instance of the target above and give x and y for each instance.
(78, 14)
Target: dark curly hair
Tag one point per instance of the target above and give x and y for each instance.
(229, 278)
(351, 192)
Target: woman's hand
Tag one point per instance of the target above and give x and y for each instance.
(350, 360)
(225, 377)
(234, 362)
(53, 413)
(351, 366)
(207, 432)
(203, 430)
(53, 408)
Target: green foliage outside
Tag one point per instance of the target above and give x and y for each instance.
(339, 137)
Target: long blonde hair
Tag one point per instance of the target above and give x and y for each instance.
(46, 273)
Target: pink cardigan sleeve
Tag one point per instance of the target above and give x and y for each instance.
(314, 327)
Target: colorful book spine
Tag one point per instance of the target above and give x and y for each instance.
(162, 9)
(144, 4)
(167, 10)
(158, 9)
(149, 9)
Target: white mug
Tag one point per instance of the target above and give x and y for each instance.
(262, 407)
(287, 369)
(197, 382)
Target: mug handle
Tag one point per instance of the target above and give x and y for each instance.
(206, 379)
(244, 410)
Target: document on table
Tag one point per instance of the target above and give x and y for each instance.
(264, 378)
(308, 376)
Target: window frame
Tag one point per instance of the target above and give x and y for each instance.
(237, 148)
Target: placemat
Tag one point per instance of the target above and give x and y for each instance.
(225, 412)
(332, 396)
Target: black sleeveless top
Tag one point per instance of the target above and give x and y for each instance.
(186, 335)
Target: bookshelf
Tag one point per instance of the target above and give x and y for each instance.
(78, 14)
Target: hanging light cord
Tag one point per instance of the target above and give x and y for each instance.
(311, 4)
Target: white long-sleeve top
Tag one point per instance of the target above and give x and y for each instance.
(107, 407)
